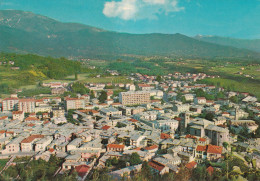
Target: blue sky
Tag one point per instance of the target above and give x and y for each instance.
(231, 18)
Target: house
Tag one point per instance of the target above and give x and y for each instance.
(151, 149)
(42, 144)
(130, 171)
(115, 147)
(13, 146)
(110, 111)
(27, 144)
(200, 100)
(82, 170)
(191, 165)
(74, 144)
(209, 152)
(158, 168)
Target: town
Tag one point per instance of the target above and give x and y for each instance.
(161, 125)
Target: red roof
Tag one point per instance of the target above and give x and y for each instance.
(31, 119)
(31, 125)
(191, 165)
(51, 150)
(17, 112)
(138, 148)
(10, 98)
(158, 109)
(225, 113)
(145, 85)
(31, 138)
(82, 170)
(201, 148)
(116, 146)
(214, 149)
(165, 136)
(105, 127)
(156, 165)
(202, 139)
(178, 119)
(26, 100)
(4, 117)
(190, 136)
(151, 147)
(46, 122)
(133, 120)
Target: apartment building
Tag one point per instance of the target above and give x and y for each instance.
(75, 103)
(10, 104)
(134, 97)
(27, 105)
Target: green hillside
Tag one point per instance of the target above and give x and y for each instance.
(32, 68)
(25, 32)
(253, 45)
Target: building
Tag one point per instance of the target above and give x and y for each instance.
(200, 100)
(166, 125)
(181, 107)
(58, 112)
(42, 144)
(110, 111)
(27, 144)
(134, 97)
(58, 91)
(115, 147)
(18, 115)
(10, 104)
(202, 128)
(75, 103)
(26, 105)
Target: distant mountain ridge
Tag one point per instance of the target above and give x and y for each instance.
(26, 32)
(253, 45)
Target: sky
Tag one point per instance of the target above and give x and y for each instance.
(229, 18)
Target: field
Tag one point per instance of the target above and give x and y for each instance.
(2, 163)
(235, 85)
(114, 80)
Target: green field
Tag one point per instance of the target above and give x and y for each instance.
(2, 163)
(114, 80)
(234, 85)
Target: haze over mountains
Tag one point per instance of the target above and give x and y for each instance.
(25, 32)
(253, 45)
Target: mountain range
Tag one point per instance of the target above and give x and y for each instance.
(26, 32)
(253, 45)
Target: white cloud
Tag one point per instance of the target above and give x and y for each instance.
(140, 9)
(125, 9)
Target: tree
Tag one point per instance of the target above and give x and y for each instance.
(234, 99)
(114, 161)
(199, 173)
(158, 78)
(76, 76)
(80, 88)
(209, 116)
(135, 159)
(103, 97)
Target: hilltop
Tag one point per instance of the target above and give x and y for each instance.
(26, 32)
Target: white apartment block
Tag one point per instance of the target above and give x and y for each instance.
(75, 103)
(10, 104)
(27, 105)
